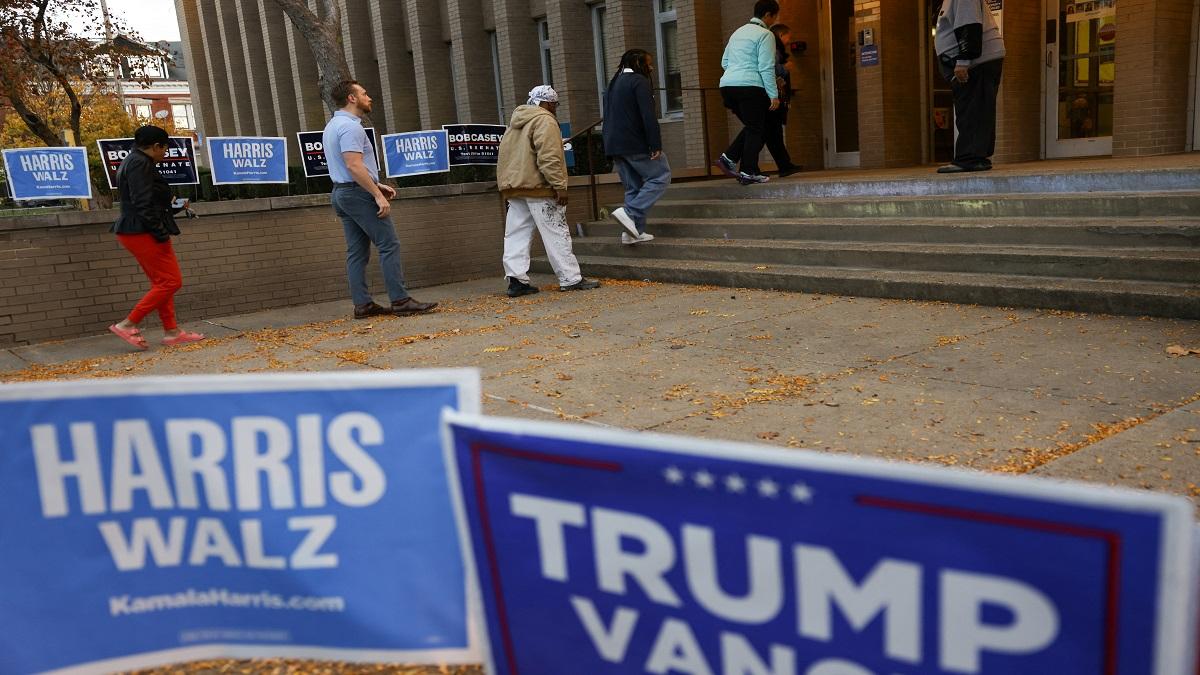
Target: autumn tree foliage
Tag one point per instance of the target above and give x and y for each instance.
(44, 56)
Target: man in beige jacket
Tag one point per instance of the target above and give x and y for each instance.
(532, 176)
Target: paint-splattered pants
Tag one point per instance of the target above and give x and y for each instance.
(550, 219)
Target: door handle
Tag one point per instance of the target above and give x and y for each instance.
(1049, 58)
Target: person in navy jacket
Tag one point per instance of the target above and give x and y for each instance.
(633, 139)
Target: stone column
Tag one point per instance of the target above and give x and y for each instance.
(397, 111)
(431, 63)
(472, 54)
(236, 82)
(190, 33)
(358, 38)
(255, 66)
(1019, 109)
(520, 65)
(309, 106)
(889, 94)
(279, 69)
(214, 59)
(574, 62)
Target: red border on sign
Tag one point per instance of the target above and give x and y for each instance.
(1111, 539)
(485, 521)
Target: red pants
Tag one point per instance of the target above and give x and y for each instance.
(162, 268)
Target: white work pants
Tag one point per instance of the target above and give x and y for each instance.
(550, 219)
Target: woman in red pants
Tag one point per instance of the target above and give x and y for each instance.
(144, 229)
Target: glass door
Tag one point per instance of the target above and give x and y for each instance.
(839, 79)
(1081, 69)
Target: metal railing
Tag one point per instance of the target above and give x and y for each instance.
(586, 134)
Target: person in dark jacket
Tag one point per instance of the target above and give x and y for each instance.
(777, 118)
(971, 54)
(145, 228)
(633, 140)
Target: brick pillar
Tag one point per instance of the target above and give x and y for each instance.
(397, 80)
(309, 106)
(1019, 109)
(358, 38)
(701, 43)
(1153, 62)
(516, 33)
(431, 63)
(251, 34)
(279, 70)
(574, 62)
(214, 59)
(871, 140)
(237, 84)
(190, 33)
(472, 61)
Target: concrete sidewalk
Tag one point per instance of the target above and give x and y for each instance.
(1089, 397)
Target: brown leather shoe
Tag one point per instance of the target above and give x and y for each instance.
(411, 306)
(369, 310)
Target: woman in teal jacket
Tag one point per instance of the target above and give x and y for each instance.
(748, 89)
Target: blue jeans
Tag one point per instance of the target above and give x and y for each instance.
(645, 181)
(356, 207)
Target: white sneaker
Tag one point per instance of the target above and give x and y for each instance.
(625, 221)
(645, 236)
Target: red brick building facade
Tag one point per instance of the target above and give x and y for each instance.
(1082, 77)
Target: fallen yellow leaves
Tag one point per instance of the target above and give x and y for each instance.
(947, 340)
(1178, 350)
(496, 350)
(1032, 458)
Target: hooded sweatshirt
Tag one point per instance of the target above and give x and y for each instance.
(532, 162)
(968, 24)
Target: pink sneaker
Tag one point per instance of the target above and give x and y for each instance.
(183, 338)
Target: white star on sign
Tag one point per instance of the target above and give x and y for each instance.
(768, 488)
(673, 475)
(735, 483)
(801, 493)
(704, 479)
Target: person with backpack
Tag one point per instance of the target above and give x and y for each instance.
(634, 142)
(748, 88)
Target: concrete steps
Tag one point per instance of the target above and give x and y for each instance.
(1106, 242)
(1085, 295)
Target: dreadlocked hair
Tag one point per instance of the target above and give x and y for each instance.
(637, 60)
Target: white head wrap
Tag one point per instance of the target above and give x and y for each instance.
(541, 93)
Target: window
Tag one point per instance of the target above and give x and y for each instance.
(669, 77)
(495, 42)
(140, 111)
(182, 113)
(544, 43)
(598, 42)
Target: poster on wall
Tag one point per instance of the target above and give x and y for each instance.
(248, 159)
(312, 152)
(1086, 10)
(474, 144)
(48, 173)
(177, 168)
(416, 153)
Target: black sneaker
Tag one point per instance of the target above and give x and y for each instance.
(517, 288)
(581, 285)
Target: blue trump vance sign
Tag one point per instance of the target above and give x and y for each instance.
(610, 552)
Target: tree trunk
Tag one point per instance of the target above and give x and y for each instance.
(324, 39)
(34, 122)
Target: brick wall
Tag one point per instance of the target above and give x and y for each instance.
(65, 276)
(1019, 108)
(1153, 55)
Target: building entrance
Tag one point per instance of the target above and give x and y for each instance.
(1081, 70)
(839, 80)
